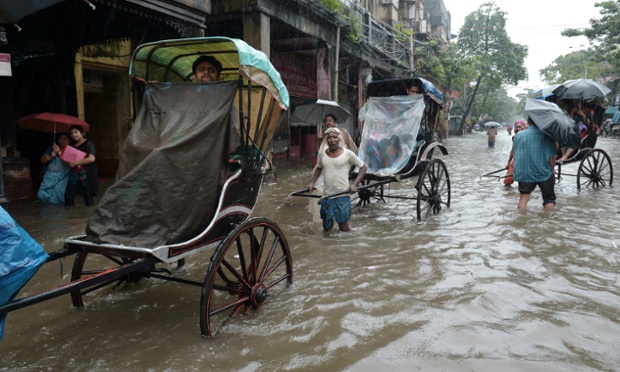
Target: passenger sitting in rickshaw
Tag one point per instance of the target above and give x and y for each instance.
(382, 152)
(159, 158)
(387, 137)
(412, 88)
(208, 69)
(583, 123)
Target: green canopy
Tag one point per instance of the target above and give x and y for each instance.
(171, 61)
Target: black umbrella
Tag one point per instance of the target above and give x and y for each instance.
(314, 113)
(554, 122)
(582, 89)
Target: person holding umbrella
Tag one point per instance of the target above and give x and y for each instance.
(491, 132)
(56, 175)
(331, 121)
(534, 163)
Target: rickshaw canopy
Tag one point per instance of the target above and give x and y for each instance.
(398, 87)
(171, 61)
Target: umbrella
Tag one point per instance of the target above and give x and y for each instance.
(543, 93)
(314, 113)
(582, 89)
(492, 124)
(51, 122)
(554, 122)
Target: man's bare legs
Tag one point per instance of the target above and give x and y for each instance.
(523, 200)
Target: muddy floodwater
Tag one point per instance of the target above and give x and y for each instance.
(479, 287)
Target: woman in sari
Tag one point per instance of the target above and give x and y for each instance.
(56, 176)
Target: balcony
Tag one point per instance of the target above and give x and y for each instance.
(378, 38)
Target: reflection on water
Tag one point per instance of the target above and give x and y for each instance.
(480, 287)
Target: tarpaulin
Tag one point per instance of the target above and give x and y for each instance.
(173, 165)
(20, 258)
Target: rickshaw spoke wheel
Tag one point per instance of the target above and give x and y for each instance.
(252, 264)
(433, 189)
(595, 170)
(86, 264)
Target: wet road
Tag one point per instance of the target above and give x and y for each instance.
(480, 287)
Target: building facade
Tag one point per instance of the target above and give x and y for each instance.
(72, 57)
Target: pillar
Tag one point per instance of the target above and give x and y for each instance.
(257, 31)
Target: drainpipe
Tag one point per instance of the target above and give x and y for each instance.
(336, 68)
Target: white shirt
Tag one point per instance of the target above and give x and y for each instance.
(336, 170)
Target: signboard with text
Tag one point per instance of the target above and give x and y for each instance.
(298, 74)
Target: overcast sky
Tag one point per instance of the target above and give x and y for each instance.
(538, 25)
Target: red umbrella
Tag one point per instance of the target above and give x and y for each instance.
(50, 122)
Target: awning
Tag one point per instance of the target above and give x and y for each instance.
(11, 11)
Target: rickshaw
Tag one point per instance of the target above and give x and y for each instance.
(398, 144)
(188, 180)
(594, 165)
(594, 168)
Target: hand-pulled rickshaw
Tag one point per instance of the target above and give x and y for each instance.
(188, 181)
(397, 143)
(594, 168)
(579, 97)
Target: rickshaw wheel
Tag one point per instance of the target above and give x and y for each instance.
(250, 265)
(86, 264)
(433, 189)
(595, 170)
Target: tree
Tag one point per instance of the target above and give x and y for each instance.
(497, 106)
(446, 66)
(575, 65)
(483, 41)
(604, 31)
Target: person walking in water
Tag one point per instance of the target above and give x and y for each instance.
(510, 166)
(334, 163)
(534, 163)
(491, 133)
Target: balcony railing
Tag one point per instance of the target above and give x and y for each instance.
(386, 42)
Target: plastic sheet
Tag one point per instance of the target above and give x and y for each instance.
(20, 258)
(174, 163)
(389, 137)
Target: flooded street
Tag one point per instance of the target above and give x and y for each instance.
(480, 287)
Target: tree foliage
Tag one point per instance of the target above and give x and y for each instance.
(576, 65)
(445, 65)
(483, 37)
(496, 106)
(604, 32)
(484, 43)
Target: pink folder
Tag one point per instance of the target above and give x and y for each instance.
(70, 154)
